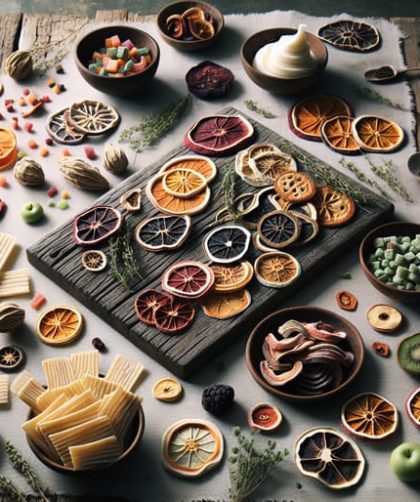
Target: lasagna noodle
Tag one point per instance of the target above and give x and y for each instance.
(99, 386)
(58, 372)
(4, 389)
(20, 381)
(120, 407)
(70, 390)
(7, 243)
(85, 363)
(29, 393)
(14, 283)
(96, 453)
(124, 372)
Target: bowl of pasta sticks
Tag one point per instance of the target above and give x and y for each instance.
(82, 421)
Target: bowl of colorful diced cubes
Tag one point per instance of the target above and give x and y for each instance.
(390, 258)
(117, 59)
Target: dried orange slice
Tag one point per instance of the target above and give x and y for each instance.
(225, 305)
(231, 278)
(369, 415)
(59, 325)
(412, 407)
(336, 133)
(8, 150)
(334, 208)
(307, 117)
(276, 269)
(198, 163)
(377, 134)
(183, 183)
(295, 186)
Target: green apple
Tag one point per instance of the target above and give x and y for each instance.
(405, 461)
(31, 212)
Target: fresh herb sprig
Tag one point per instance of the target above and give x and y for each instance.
(123, 265)
(150, 129)
(387, 173)
(228, 189)
(10, 490)
(361, 176)
(253, 106)
(373, 95)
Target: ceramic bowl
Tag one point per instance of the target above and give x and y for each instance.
(254, 354)
(279, 85)
(179, 8)
(122, 86)
(366, 248)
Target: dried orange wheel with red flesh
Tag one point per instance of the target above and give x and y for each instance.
(174, 316)
(59, 325)
(276, 269)
(377, 134)
(225, 305)
(198, 163)
(336, 133)
(146, 304)
(295, 186)
(369, 415)
(307, 117)
(8, 151)
(413, 407)
(333, 208)
(233, 277)
(188, 279)
(183, 183)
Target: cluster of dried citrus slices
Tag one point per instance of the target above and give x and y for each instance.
(8, 148)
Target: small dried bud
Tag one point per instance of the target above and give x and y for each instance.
(28, 172)
(18, 65)
(11, 317)
(115, 160)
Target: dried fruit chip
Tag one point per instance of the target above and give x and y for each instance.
(264, 417)
(175, 26)
(231, 278)
(8, 151)
(167, 390)
(174, 316)
(59, 325)
(350, 35)
(131, 200)
(333, 208)
(276, 269)
(225, 305)
(413, 407)
(59, 129)
(278, 229)
(346, 300)
(384, 318)
(96, 225)
(94, 260)
(188, 279)
(377, 134)
(295, 186)
(200, 29)
(11, 357)
(202, 165)
(382, 349)
(183, 183)
(93, 117)
(227, 244)
(243, 166)
(147, 302)
(369, 415)
(162, 233)
(409, 354)
(269, 165)
(336, 133)
(209, 80)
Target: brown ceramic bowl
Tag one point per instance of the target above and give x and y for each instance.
(254, 355)
(134, 435)
(179, 8)
(123, 86)
(279, 85)
(366, 248)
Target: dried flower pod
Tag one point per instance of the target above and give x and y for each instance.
(18, 65)
(82, 175)
(29, 172)
(115, 160)
(11, 317)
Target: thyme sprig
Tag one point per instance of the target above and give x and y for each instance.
(10, 490)
(253, 106)
(250, 466)
(123, 264)
(373, 95)
(361, 176)
(228, 189)
(150, 129)
(387, 173)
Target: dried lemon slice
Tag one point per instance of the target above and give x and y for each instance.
(225, 305)
(167, 389)
(276, 269)
(333, 208)
(8, 150)
(198, 163)
(231, 278)
(59, 325)
(183, 183)
(377, 134)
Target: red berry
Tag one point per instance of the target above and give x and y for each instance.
(90, 152)
(52, 191)
(49, 141)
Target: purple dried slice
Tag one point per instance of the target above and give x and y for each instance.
(219, 135)
(227, 244)
(209, 80)
(174, 316)
(147, 302)
(162, 233)
(350, 35)
(317, 378)
(61, 131)
(188, 279)
(96, 225)
(278, 229)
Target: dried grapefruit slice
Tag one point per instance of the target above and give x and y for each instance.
(276, 269)
(295, 186)
(59, 325)
(231, 278)
(350, 35)
(146, 304)
(188, 279)
(307, 117)
(336, 133)
(202, 165)
(377, 134)
(8, 150)
(174, 316)
(334, 208)
(96, 225)
(225, 305)
(183, 183)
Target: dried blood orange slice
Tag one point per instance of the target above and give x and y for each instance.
(59, 325)
(336, 133)
(231, 278)
(307, 117)
(330, 457)
(350, 35)
(377, 134)
(96, 225)
(227, 244)
(225, 305)
(147, 302)
(8, 150)
(276, 269)
(174, 316)
(209, 80)
(183, 183)
(278, 229)
(188, 279)
(219, 135)
(202, 165)
(334, 208)
(162, 233)
(413, 407)
(295, 186)
(369, 415)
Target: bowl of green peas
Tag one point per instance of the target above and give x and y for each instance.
(390, 259)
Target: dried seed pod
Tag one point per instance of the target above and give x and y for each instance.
(11, 317)
(82, 175)
(115, 160)
(18, 65)
(28, 172)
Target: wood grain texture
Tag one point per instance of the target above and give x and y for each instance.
(9, 34)
(57, 256)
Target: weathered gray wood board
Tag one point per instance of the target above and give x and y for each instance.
(57, 256)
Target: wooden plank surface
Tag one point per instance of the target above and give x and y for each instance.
(9, 34)
(57, 256)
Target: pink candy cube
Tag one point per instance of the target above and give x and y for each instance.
(128, 43)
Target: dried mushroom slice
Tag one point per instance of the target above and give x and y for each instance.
(369, 415)
(330, 457)
(413, 407)
(377, 134)
(276, 269)
(336, 133)
(233, 277)
(350, 35)
(11, 357)
(278, 229)
(94, 260)
(162, 233)
(61, 131)
(146, 304)
(225, 305)
(96, 225)
(59, 325)
(227, 244)
(334, 208)
(174, 316)
(198, 163)
(93, 117)
(295, 186)
(188, 279)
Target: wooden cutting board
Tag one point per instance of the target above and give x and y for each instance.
(58, 257)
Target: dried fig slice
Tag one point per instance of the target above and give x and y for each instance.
(278, 229)
(198, 163)
(61, 131)
(219, 135)
(327, 455)
(384, 318)
(377, 134)
(188, 279)
(350, 35)
(346, 300)
(146, 304)
(369, 415)
(231, 278)
(334, 208)
(183, 183)
(174, 316)
(336, 133)
(96, 225)
(227, 244)
(209, 80)
(162, 233)
(295, 186)
(225, 305)
(276, 269)
(413, 407)
(92, 117)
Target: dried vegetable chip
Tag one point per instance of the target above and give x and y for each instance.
(14, 283)
(295, 186)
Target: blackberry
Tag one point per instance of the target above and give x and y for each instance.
(218, 398)
(98, 344)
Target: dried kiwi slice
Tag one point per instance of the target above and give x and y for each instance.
(409, 354)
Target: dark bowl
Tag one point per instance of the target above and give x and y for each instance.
(122, 86)
(179, 8)
(366, 248)
(254, 355)
(279, 85)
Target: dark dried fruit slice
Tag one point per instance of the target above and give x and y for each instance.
(93, 117)
(413, 407)
(276, 269)
(225, 305)
(188, 279)
(94, 260)
(175, 26)
(174, 316)
(162, 233)
(350, 35)
(231, 278)
(336, 133)
(227, 244)
(96, 225)
(219, 135)
(295, 186)
(61, 131)
(346, 300)
(209, 80)
(147, 302)
(334, 208)
(377, 134)
(11, 357)
(264, 417)
(278, 229)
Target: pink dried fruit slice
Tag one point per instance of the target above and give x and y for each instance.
(147, 302)
(174, 316)
(96, 225)
(209, 80)
(188, 279)
(219, 135)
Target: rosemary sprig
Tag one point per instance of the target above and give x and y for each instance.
(150, 129)
(373, 95)
(228, 189)
(250, 466)
(123, 265)
(386, 172)
(9, 489)
(361, 176)
(253, 106)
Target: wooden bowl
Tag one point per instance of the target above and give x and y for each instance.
(366, 248)
(179, 8)
(279, 85)
(122, 86)
(254, 354)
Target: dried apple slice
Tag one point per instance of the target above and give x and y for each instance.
(278, 229)
(369, 415)
(146, 304)
(336, 133)
(225, 305)
(188, 279)
(377, 134)
(231, 278)
(334, 208)
(384, 318)
(350, 35)
(162, 233)
(96, 225)
(276, 269)
(227, 244)
(183, 183)
(198, 163)
(295, 186)
(413, 407)
(174, 316)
